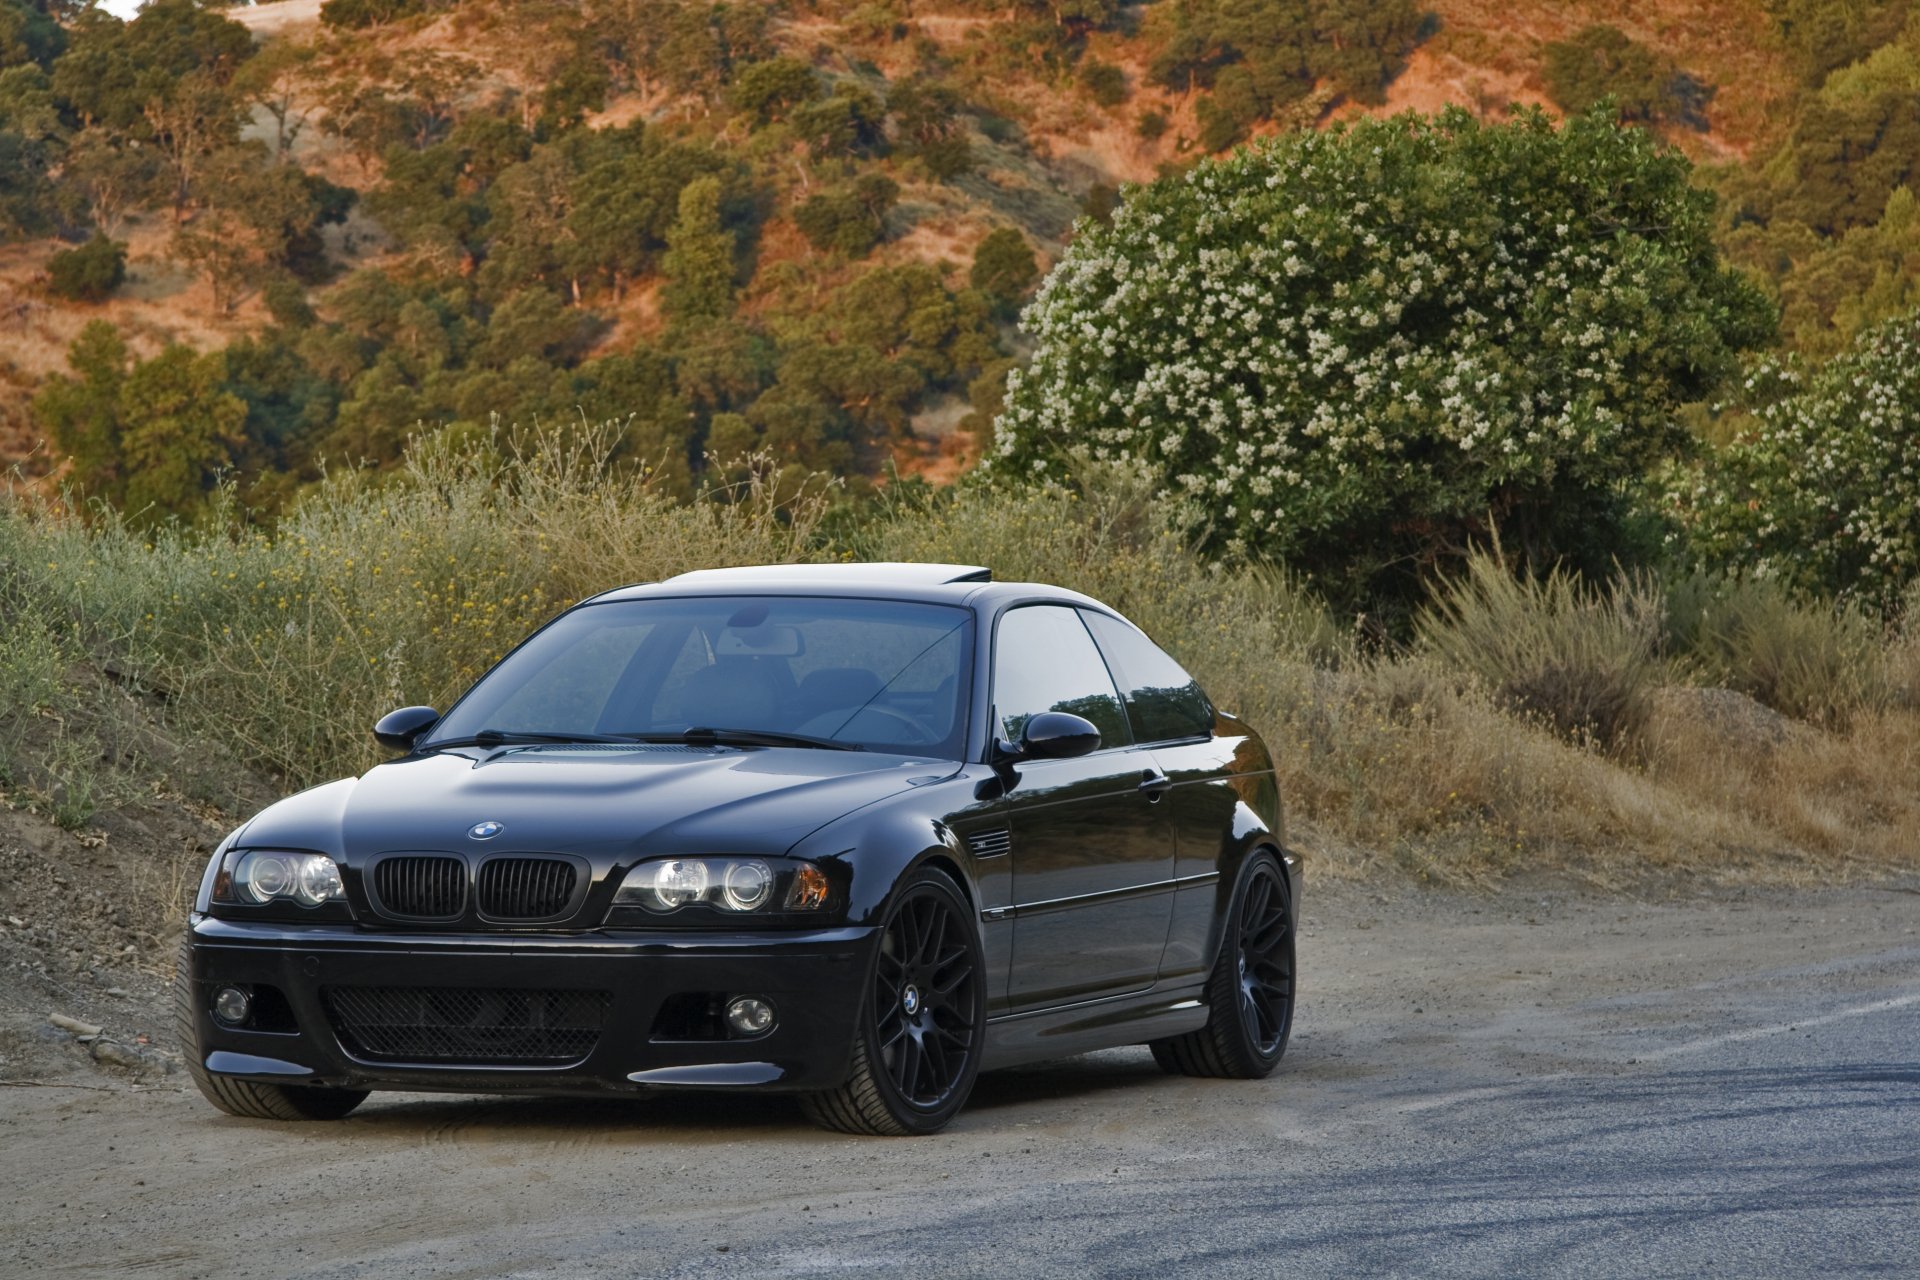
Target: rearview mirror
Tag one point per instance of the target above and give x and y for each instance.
(1058, 735)
(398, 730)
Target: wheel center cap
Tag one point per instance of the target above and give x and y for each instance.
(910, 999)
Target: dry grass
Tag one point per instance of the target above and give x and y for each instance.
(280, 649)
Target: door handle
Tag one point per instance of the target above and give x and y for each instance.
(1153, 785)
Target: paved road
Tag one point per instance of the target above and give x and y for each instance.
(1540, 1085)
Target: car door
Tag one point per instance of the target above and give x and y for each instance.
(1092, 853)
(1177, 727)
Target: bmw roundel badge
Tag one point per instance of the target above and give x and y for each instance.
(486, 830)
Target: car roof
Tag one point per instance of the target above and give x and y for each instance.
(891, 580)
(879, 573)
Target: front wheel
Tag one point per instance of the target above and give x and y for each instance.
(917, 1050)
(1250, 992)
(247, 1098)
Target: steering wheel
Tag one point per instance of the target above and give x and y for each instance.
(921, 736)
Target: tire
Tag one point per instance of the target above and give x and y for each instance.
(916, 1052)
(1250, 991)
(246, 1098)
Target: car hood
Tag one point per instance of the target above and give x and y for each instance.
(591, 801)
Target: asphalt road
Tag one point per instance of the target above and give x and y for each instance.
(1543, 1084)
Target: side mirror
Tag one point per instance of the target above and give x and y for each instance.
(397, 730)
(1058, 735)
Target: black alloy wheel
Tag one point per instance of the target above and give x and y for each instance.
(917, 1051)
(1250, 992)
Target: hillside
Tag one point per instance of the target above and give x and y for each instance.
(797, 227)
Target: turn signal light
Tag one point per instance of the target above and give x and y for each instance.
(809, 889)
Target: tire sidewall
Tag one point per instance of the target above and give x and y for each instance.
(1261, 862)
(920, 1119)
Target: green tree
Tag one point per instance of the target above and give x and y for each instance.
(699, 260)
(1821, 487)
(180, 430)
(851, 218)
(91, 272)
(28, 34)
(850, 121)
(928, 116)
(1004, 267)
(1602, 61)
(771, 90)
(80, 411)
(1826, 34)
(1363, 351)
(1259, 56)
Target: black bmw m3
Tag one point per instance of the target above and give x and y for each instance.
(852, 832)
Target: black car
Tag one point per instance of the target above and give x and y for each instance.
(853, 832)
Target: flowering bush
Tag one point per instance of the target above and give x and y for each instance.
(1362, 349)
(1823, 491)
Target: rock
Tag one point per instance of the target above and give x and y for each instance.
(113, 1054)
(73, 1025)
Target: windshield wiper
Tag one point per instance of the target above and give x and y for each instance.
(505, 737)
(763, 738)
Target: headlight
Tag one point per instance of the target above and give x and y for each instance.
(735, 885)
(269, 875)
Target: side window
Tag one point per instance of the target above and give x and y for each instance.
(1044, 660)
(1163, 701)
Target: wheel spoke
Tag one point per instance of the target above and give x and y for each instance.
(936, 935)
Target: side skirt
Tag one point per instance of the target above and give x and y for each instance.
(1097, 1024)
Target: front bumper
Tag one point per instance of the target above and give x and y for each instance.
(812, 977)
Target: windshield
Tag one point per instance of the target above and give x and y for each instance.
(880, 674)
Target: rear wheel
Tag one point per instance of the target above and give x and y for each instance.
(247, 1098)
(917, 1051)
(1250, 992)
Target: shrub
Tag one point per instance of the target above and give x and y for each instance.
(1822, 490)
(1815, 661)
(89, 273)
(1603, 63)
(851, 218)
(1003, 266)
(1105, 83)
(1583, 660)
(1355, 350)
(375, 592)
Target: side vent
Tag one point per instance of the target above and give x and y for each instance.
(991, 844)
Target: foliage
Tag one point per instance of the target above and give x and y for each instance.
(152, 436)
(1105, 83)
(1259, 56)
(1004, 267)
(699, 259)
(1818, 661)
(771, 90)
(1822, 490)
(1825, 35)
(1602, 62)
(288, 643)
(89, 273)
(850, 218)
(1361, 351)
(1581, 659)
(928, 114)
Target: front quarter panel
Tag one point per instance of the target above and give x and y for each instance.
(929, 824)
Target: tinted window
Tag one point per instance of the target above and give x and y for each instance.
(1044, 660)
(884, 674)
(1163, 701)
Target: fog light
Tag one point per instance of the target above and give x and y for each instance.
(232, 1006)
(750, 1016)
